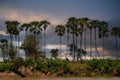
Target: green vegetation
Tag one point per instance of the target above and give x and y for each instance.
(54, 53)
(35, 57)
(91, 68)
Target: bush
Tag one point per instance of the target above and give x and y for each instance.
(41, 65)
(104, 66)
(30, 62)
(54, 65)
(5, 67)
(66, 66)
(18, 63)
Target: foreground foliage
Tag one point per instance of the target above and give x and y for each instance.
(94, 67)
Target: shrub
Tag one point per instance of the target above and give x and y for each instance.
(5, 67)
(66, 66)
(30, 62)
(54, 65)
(41, 65)
(18, 63)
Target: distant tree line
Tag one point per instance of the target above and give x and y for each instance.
(76, 27)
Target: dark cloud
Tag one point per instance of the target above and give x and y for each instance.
(57, 12)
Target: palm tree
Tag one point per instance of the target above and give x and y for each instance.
(11, 28)
(35, 28)
(54, 53)
(95, 24)
(25, 26)
(103, 32)
(80, 31)
(73, 23)
(76, 35)
(83, 22)
(90, 28)
(19, 30)
(45, 24)
(68, 26)
(60, 30)
(115, 31)
(85, 25)
(16, 39)
(4, 46)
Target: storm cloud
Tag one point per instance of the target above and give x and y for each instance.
(57, 12)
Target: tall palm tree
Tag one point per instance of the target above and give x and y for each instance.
(17, 41)
(115, 31)
(20, 29)
(26, 27)
(90, 28)
(85, 21)
(4, 46)
(95, 24)
(73, 21)
(45, 24)
(11, 30)
(35, 28)
(60, 30)
(80, 31)
(103, 32)
(76, 36)
(68, 26)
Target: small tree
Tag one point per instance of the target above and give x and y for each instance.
(30, 45)
(80, 52)
(54, 53)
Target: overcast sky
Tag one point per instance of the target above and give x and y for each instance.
(58, 11)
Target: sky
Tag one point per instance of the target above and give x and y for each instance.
(58, 11)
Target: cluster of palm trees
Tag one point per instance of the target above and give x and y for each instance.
(78, 28)
(14, 28)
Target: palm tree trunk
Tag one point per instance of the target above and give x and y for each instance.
(90, 43)
(11, 38)
(60, 45)
(75, 40)
(19, 44)
(103, 47)
(16, 40)
(76, 47)
(85, 42)
(44, 35)
(116, 48)
(67, 40)
(3, 55)
(26, 33)
(26, 52)
(96, 44)
(73, 47)
(81, 41)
